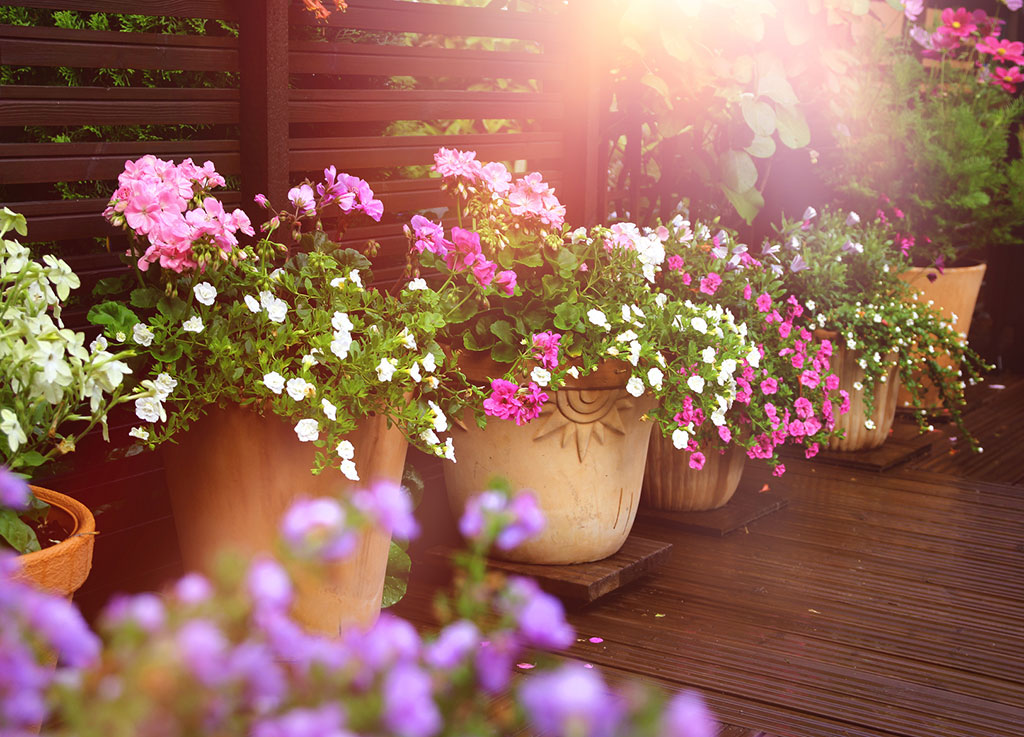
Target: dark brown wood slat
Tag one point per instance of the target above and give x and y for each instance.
(322, 106)
(110, 49)
(177, 94)
(390, 15)
(417, 61)
(167, 149)
(115, 112)
(50, 165)
(379, 151)
(212, 9)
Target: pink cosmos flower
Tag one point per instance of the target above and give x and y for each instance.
(710, 283)
(1002, 49)
(1008, 78)
(546, 344)
(764, 302)
(697, 461)
(913, 8)
(958, 22)
(506, 282)
(451, 163)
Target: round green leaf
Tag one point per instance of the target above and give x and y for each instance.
(738, 171)
(763, 147)
(793, 129)
(760, 116)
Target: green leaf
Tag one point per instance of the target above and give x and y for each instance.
(31, 459)
(18, 535)
(397, 576)
(113, 316)
(762, 147)
(747, 203)
(676, 43)
(145, 298)
(793, 129)
(111, 285)
(172, 308)
(503, 329)
(567, 261)
(504, 353)
(657, 84)
(10, 219)
(738, 171)
(772, 82)
(760, 116)
(532, 259)
(567, 315)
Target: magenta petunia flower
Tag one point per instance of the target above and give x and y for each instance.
(710, 283)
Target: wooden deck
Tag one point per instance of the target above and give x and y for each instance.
(872, 604)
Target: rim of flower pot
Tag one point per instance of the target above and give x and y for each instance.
(77, 545)
(967, 264)
(480, 368)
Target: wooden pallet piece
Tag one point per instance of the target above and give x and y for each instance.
(753, 500)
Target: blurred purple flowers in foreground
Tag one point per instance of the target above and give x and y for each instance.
(225, 657)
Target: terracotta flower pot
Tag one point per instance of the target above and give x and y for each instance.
(62, 568)
(955, 291)
(583, 458)
(670, 483)
(234, 475)
(858, 436)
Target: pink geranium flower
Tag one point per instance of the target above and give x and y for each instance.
(451, 163)
(546, 345)
(466, 249)
(506, 282)
(496, 177)
(511, 402)
(531, 197)
(484, 271)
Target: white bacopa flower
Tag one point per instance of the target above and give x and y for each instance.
(655, 377)
(699, 324)
(708, 355)
(598, 318)
(541, 375)
(680, 438)
(696, 383)
(205, 293)
(251, 303)
(274, 382)
(139, 432)
(869, 424)
(298, 389)
(876, 357)
(417, 285)
(430, 437)
(345, 450)
(164, 385)
(307, 430)
(661, 299)
(883, 378)
(408, 339)
(414, 373)
(573, 372)
(99, 344)
(150, 409)
(851, 344)
(142, 335)
(386, 369)
(440, 421)
(754, 357)
(193, 325)
(277, 310)
(626, 337)
(858, 385)
(341, 344)
(330, 410)
(635, 386)
(449, 450)
(348, 468)
(429, 363)
(341, 322)
(810, 305)
(11, 429)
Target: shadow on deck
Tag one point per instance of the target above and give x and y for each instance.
(872, 604)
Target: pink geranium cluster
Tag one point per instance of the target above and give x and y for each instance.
(546, 346)
(460, 253)
(529, 197)
(167, 204)
(349, 193)
(509, 401)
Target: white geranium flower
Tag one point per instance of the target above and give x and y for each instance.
(696, 383)
(341, 322)
(680, 438)
(541, 375)
(139, 432)
(99, 344)
(274, 382)
(298, 389)
(346, 451)
(142, 335)
(599, 318)
(348, 468)
(699, 324)
(330, 410)
(417, 285)
(252, 304)
(635, 386)
(164, 385)
(655, 377)
(205, 293)
(386, 369)
(307, 430)
(277, 310)
(708, 355)
(150, 409)
(193, 325)
(11, 429)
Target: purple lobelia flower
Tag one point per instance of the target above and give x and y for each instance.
(253, 665)
(687, 716)
(389, 506)
(571, 701)
(145, 611)
(325, 721)
(493, 513)
(14, 491)
(409, 707)
(203, 649)
(388, 641)
(269, 585)
(316, 528)
(539, 616)
(192, 589)
(494, 661)
(453, 645)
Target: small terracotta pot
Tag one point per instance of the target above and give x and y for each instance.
(955, 290)
(858, 436)
(583, 457)
(235, 474)
(61, 568)
(670, 483)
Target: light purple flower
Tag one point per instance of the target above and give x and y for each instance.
(527, 521)
(203, 648)
(192, 589)
(452, 646)
(254, 664)
(409, 707)
(687, 716)
(14, 491)
(572, 700)
(316, 528)
(390, 640)
(1014, 4)
(494, 661)
(62, 626)
(145, 611)
(301, 198)
(492, 513)
(326, 721)
(539, 616)
(798, 264)
(390, 507)
(269, 585)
